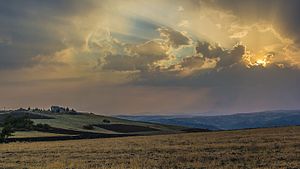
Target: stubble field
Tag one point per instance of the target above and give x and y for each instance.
(256, 148)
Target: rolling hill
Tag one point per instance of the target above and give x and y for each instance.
(228, 122)
(76, 125)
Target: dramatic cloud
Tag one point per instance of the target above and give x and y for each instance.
(173, 38)
(136, 57)
(282, 14)
(151, 56)
(226, 57)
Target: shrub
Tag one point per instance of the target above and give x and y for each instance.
(88, 127)
(42, 126)
(106, 121)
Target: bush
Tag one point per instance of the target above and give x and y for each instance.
(42, 126)
(106, 121)
(88, 127)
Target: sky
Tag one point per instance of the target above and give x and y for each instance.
(182, 57)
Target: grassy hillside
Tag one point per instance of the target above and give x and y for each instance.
(83, 123)
(256, 148)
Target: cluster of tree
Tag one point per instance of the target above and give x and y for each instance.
(12, 124)
(32, 109)
(37, 110)
(91, 126)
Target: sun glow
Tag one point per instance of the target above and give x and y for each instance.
(261, 62)
(252, 60)
(258, 62)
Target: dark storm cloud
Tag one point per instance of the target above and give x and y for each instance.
(32, 28)
(227, 57)
(230, 70)
(174, 38)
(231, 77)
(141, 57)
(282, 13)
(141, 45)
(192, 61)
(19, 8)
(138, 57)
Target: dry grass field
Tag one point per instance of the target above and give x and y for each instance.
(256, 148)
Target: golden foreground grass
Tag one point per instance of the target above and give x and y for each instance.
(257, 148)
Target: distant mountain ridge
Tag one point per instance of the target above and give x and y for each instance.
(276, 118)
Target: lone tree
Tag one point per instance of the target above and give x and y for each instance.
(11, 124)
(6, 132)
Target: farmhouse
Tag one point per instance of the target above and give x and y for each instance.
(58, 109)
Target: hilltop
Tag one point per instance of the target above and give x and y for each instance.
(65, 124)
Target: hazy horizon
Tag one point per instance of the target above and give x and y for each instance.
(157, 57)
